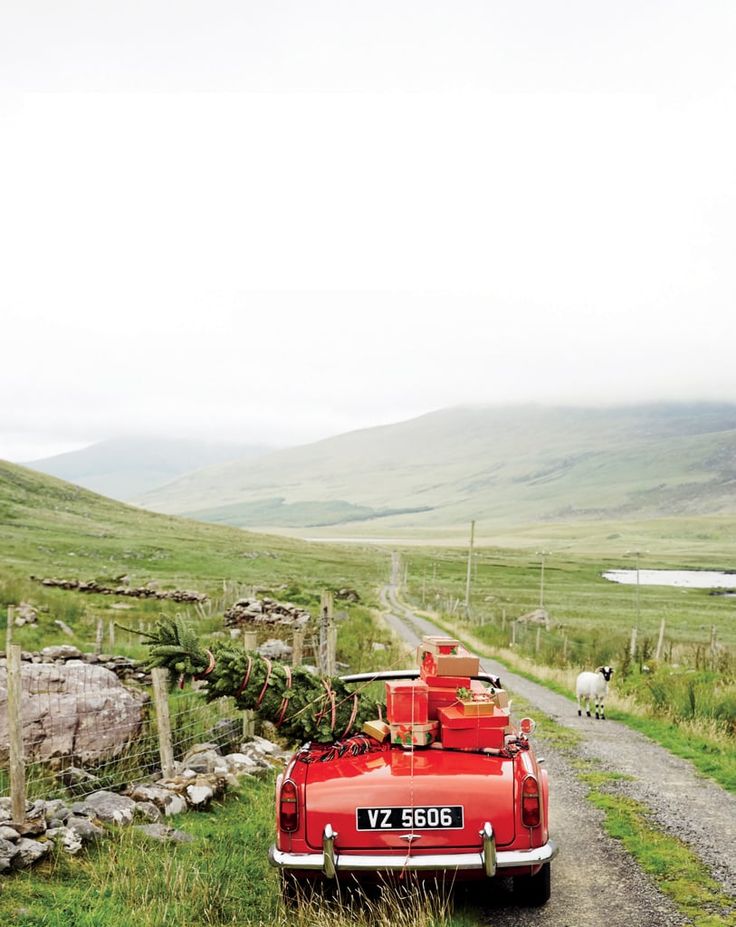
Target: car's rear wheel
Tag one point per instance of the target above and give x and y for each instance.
(534, 890)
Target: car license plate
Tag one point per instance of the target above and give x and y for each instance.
(429, 817)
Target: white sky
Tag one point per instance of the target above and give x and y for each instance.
(274, 221)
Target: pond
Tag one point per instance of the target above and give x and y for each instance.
(690, 579)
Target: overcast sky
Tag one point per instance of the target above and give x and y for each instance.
(273, 221)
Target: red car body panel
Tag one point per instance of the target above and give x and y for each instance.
(487, 786)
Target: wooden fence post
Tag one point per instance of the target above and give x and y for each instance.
(163, 723)
(249, 724)
(660, 641)
(513, 633)
(111, 636)
(325, 625)
(15, 733)
(332, 651)
(99, 635)
(297, 651)
(9, 629)
(250, 642)
(538, 640)
(632, 645)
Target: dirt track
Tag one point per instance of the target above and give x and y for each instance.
(593, 879)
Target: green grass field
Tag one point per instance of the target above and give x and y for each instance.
(50, 528)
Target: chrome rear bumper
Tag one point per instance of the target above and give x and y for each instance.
(489, 860)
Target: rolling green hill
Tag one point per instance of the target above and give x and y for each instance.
(123, 468)
(504, 466)
(50, 527)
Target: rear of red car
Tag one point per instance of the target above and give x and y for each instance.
(472, 815)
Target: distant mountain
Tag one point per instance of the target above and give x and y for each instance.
(124, 468)
(500, 465)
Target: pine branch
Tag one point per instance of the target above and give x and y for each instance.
(302, 706)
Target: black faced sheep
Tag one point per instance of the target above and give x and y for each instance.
(593, 686)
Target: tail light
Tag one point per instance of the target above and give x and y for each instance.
(289, 807)
(530, 806)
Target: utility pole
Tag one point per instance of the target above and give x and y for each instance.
(542, 554)
(470, 568)
(638, 586)
(637, 554)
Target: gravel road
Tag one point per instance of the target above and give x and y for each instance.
(593, 878)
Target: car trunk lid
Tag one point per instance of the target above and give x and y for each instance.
(432, 799)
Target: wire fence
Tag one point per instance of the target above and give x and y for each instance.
(629, 648)
(74, 726)
(82, 730)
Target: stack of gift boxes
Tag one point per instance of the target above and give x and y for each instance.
(444, 703)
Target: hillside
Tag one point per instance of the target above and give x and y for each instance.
(50, 527)
(124, 468)
(501, 465)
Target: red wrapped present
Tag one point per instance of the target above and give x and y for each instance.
(459, 731)
(440, 697)
(407, 701)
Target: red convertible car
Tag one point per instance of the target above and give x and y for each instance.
(454, 811)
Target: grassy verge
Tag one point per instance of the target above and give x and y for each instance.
(710, 757)
(675, 868)
(216, 879)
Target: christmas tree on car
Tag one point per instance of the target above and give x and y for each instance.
(302, 706)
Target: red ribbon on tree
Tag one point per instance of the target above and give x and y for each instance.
(285, 700)
(209, 668)
(246, 678)
(333, 706)
(265, 684)
(356, 702)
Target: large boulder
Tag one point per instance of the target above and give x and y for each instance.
(72, 710)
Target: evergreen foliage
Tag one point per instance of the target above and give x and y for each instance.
(302, 706)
